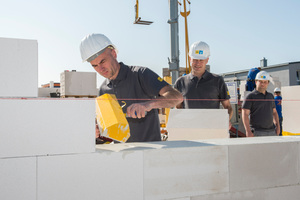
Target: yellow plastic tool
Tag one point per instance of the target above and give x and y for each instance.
(286, 133)
(111, 119)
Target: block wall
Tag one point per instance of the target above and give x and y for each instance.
(244, 168)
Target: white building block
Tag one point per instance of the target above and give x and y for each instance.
(18, 68)
(18, 178)
(78, 83)
(264, 165)
(194, 124)
(181, 172)
(38, 127)
(290, 109)
(93, 176)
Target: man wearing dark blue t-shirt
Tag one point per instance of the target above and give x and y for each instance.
(259, 104)
(143, 90)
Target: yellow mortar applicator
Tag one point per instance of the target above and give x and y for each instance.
(111, 119)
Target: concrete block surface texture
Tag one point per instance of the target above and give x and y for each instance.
(93, 176)
(18, 68)
(196, 124)
(171, 173)
(263, 165)
(18, 178)
(39, 127)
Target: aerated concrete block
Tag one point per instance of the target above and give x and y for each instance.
(18, 178)
(290, 109)
(18, 68)
(40, 127)
(78, 83)
(185, 171)
(264, 165)
(195, 124)
(93, 176)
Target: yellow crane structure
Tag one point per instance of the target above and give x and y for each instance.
(137, 17)
(184, 14)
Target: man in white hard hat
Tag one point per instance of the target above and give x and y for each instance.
(278, 100)
(259, 104)
(250, 85)
(200, 88)
(142, 90)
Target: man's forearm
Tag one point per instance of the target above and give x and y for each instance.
(169, 99)
(246, 122)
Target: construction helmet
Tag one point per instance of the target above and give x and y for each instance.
(262, 75)
(93, 45)
(277, 90)
(199, 50)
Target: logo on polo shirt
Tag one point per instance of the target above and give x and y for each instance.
(198, 52)
(160, 79)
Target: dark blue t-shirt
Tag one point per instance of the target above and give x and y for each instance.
(261, 110)
(206, 92)
(135, 85)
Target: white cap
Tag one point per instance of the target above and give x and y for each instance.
(262, 75)
(277, 90)
(199, 50)
(93, 45)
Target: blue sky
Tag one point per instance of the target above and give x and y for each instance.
(239, 32)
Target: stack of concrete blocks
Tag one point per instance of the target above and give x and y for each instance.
(290, 109)
(195, 124)
(78, 84)
(32, 129)
(243, 168)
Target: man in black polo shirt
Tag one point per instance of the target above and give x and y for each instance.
(142, 90)
(260, 105)
(200, 88)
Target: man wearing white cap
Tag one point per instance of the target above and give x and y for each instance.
(200, 88)
(260, 105)
(142, 89)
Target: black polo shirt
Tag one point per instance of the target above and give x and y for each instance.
(261, 110)
(206, 92)
(135, 85)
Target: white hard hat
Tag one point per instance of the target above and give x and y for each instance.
(262, 75)
(93, 45)
(277, 90)
(199, 50)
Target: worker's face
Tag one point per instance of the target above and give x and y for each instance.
(198, 66)
(106, 64)
(262, 84)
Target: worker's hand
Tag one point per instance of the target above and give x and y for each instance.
(230, 125)
(249, 134)
(137, 110)
(97, 131)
